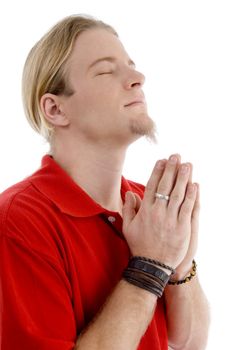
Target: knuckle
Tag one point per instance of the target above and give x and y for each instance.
(162, 188)
(150, 183)
(190, 193)
(187, 208)
(176, 197)
(143, 211)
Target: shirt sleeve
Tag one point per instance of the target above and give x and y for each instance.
(35, 300)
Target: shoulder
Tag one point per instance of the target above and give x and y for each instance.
(24, 213)
(10, 196)
(23, 197)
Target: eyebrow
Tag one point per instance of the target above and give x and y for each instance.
(109, 59)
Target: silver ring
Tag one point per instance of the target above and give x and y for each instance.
(162, 196)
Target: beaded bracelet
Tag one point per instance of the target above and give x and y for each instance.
(188, 278)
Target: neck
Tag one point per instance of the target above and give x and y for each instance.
(96, 168)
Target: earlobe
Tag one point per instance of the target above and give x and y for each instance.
(52, 109)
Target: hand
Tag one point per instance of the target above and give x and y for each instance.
(185, 266)
(157, 228)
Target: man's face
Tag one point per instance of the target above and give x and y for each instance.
(102, 107)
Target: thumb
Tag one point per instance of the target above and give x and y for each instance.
(138, 201)
(129, 208)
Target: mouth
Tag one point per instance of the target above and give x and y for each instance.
(135, 103)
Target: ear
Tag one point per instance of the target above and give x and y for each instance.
(51, 107)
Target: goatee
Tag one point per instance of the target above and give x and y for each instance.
(144, 126)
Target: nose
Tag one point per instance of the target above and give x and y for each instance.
(134, 79)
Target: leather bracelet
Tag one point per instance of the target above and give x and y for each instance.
(146, 275)
(150, 288)
(146, 267)
(154, 262)
(188, 278)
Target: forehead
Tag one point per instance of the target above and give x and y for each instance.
(96, 43)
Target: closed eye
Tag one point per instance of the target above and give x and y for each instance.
(104, 73)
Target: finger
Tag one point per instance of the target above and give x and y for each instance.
(178, 194)
(190, 172)
(196, 208)
(195, 219)
(138, 202)
(167, 181)
(187, 207)
(128, 210)
(149, 194)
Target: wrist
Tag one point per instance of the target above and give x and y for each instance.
(180, 277)
(182, 271)
(168, 272)
(148, 274)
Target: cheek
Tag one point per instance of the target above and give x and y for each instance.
(102, 103)
(95, 101)
(81, 104)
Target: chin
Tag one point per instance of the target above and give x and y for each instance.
(143, 126)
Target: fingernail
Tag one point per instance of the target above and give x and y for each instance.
(195, 187)
(173, 159)
(191, 188)
(160, 164)
(184, 168)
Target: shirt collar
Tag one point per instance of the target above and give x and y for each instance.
(54, 182)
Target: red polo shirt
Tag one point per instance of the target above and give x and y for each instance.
(61, 254)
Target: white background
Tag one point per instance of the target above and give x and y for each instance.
(184, 48)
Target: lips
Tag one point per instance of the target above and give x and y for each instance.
(135, 102)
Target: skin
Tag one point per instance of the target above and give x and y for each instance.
(93, 129)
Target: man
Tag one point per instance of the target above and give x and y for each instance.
(88, 257)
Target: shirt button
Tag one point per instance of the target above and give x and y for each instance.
(111, 219)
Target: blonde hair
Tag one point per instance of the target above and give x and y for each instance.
(44, 69)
